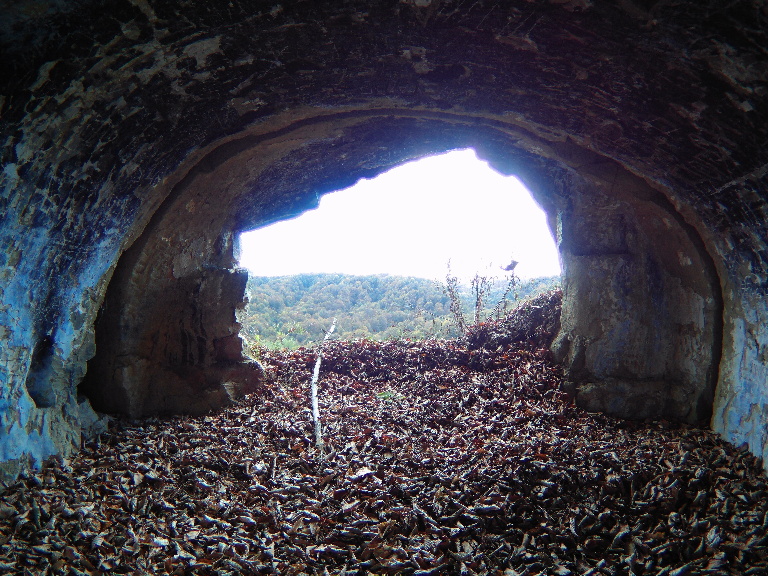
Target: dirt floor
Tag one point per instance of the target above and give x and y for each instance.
(440, 457)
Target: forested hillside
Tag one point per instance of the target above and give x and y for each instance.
(291, 311)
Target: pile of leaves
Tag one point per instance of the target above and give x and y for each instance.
(534, 323)
(439, 459)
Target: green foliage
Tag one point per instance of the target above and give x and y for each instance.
(293, 311)
(390, 396)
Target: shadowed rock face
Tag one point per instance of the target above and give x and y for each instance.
(138, 137)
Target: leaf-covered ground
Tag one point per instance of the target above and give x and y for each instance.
(440, 458)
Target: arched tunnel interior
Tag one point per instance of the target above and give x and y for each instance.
(167, 338)
(139, 137)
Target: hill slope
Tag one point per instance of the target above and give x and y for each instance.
(289, 311)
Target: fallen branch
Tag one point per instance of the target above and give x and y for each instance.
(313, 388)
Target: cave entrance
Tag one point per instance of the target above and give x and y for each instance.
(406, 225)
(409, 221)
(642, 307)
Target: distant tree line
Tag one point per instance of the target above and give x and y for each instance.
(292, 311)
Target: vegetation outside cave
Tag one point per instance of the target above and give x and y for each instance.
(293, 311)
(382, 285)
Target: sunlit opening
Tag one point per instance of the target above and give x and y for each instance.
(411, 221)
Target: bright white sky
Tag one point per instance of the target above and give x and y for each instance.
(409, 222)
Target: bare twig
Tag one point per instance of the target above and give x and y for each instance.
(501, 306)
(481, 285)
(452, 291)
(313, 388)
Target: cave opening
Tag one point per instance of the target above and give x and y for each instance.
(409, 221)
(641, 313)
(376, 255)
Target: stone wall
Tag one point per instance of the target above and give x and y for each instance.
(741, 398)
(642, 308)
(138, 136)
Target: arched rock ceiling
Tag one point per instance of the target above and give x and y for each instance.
(106, 106)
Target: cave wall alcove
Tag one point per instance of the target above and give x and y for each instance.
(139, 137)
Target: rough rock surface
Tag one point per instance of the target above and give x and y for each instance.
(642, 320)
(137, 137)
